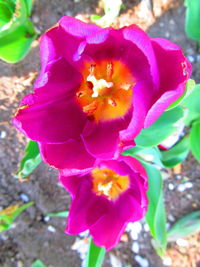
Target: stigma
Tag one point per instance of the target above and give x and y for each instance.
(108, 183)
(99, 86)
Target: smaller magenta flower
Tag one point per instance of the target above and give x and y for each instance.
(106, 198)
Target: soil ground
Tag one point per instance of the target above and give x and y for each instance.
(36, 236)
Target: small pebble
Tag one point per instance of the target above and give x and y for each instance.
(142, 261)
(171, 22)
(46, 218)
(3, 134)
(189, 196)
(135, 247)
(182, 242)
(188, 185)
(134, 235)
(171, 186)
(35, 19)
(191, 59)
(20, 264)
(171, 218)
(24, 197)
(115, 261)
(167, 261)
(84, 234)
(167, 34)
(161, 24)
(179, 176)
(181, 188)
(168, 226)
(198, 58)
(146, 227)
(51, 229)
(68, 13)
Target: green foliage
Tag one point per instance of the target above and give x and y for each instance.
(163, 127)
(8, 215)
(95, 255)
(16, 30)
(111, 9)
(186, 226)
(156, 216)
(176, 154)
(195, 140)
(38, 263)
(189, 87)
(30, 161)
(192, 20)
(191, 104)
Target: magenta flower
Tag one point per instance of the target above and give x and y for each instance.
(97, 89)
(106, 198)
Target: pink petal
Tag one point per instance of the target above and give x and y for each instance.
(175, 70)
(71, 154)
(51, 122)
(138, 37)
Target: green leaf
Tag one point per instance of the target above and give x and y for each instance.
(30, 161)
(9, 214)
(38, 263)
(156, 216)
(19, 16)
(176, 154)
(15, 45)
(192, 19)
(189, 87)
(195, 140)
(148, 154)
(184, 227)
(63, 214)
(6, 11)
(163, 127)
(29, 6)
(95, 255)
(21, 209)
(191, 103)
(111, 9)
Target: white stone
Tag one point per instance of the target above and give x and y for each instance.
(191, 59)
(167, 261)
(146, 227)
(142, 261)
(182, 242)
(135, 247)
(171, 186)
(51, 229)
(3, 134)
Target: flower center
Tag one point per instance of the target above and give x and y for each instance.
(108, 183)
(106, 91)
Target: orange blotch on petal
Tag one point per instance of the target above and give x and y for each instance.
(108, 183)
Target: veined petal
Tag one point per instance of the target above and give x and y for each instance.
(69, 155)
(51, 122)
(174, 70)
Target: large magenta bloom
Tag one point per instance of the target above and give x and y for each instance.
(106, 198)
(97, 89)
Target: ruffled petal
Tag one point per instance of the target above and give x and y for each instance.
(142, 100)
(138, 37)
(83, 213)
(174, 70)
(126, 209)
(50, 122)
(71, 154)
(102, 139)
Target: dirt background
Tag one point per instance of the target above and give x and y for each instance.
(36, 236)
